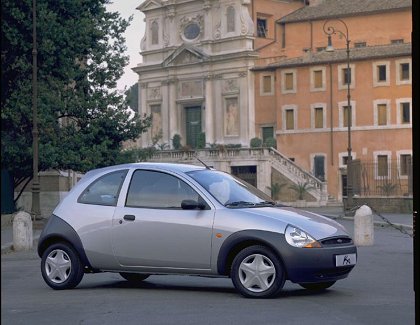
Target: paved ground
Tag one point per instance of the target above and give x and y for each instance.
(378, 291)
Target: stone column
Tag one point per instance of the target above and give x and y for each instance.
(143, 110)
(173, 123)
(209, 110)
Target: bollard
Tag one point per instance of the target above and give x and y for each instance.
(22, 231)
(363, 226)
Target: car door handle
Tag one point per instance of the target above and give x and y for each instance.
(129, 217)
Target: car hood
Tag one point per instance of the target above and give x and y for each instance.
(319, 227)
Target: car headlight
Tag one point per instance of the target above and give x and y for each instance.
(298, 238)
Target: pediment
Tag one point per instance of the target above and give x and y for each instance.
(184, 56)
(149, 5)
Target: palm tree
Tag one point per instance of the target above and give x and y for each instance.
(301, 188)
(276, 189)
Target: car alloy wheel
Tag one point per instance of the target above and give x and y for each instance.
(61, 267)
(257, 272)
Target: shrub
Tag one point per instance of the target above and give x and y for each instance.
(255, 143)
(201, 141)
(271, 143)
(176, 142)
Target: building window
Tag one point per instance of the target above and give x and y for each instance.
(155, 32)
(397, 41)
(382, 160)
(318, 117)
(382, 165)
(343, 158)
(346, 76)
(403, 111)
(381, 69)
(319, 167)
(230, 19)
(262, 27)
(343, 114)
(346, 116)
(404, 164)
(289, 117)
(382, 113)
(288, 81)
(317, 79)
(380, 74)
(403, 71)
(359, 44)
(267, 85)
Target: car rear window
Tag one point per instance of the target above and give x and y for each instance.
(104, 190)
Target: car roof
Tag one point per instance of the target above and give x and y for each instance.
(170, 167)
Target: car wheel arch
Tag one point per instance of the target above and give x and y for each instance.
(242, 239)
(57, 230)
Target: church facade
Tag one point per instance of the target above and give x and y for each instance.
(196, 79)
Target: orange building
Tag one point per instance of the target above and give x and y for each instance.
(301, 89)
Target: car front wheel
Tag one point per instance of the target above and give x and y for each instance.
(257, 272)
(61, 267)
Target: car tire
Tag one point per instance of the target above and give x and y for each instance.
(61, 267)
(317, 286)
(247, 276)
(134, 277)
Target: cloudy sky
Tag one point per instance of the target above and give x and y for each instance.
(133, 36)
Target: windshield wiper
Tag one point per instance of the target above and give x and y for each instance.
(239, 203)
(270, 203)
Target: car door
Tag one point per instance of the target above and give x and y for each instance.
(152, 230)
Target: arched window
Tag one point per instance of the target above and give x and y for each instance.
(155, 32)
(230, 19)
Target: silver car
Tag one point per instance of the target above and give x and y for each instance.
(150, 218)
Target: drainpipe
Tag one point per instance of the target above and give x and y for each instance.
(331, 117)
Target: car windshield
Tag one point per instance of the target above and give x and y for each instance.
(231, 191)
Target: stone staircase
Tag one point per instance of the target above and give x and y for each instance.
(297, 175)
(226, 157)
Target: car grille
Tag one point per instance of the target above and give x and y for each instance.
(337, 241)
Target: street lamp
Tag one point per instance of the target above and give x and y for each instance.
(330, 29)
(35, 180)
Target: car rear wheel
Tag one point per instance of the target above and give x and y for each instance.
(134, 277)
(317, 286)
(257, 272)
(61, 267)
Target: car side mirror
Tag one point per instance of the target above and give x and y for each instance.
(192, 205)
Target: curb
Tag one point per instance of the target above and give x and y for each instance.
(8, 247)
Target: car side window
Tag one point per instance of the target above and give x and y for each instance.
(151, 189)
(105, 190)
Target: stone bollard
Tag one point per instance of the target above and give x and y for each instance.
(22, 231)
(363, 226)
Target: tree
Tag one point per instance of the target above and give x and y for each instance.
(301, 188)
(83, 120)
(133, 97)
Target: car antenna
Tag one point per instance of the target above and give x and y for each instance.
(205, 165)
